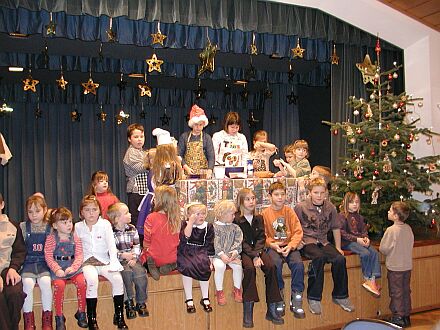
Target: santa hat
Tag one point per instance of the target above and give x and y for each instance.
(163, 136)
(197, 115)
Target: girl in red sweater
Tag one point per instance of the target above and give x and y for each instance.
(100, 188)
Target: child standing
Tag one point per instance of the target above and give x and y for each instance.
(12, 255)
(261, 151)
(318, 216)
(283, 237)
(100, 258)
(64, 256)
(162, 233)
(227, 244)
(135, 169)
(100, 188)
(254, 256)
(195, 146)
(195, 253)
(128, 245)
(35, 270)
(354, 234)
(296, 165)
(397, 244)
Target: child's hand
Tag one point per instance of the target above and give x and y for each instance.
(277, 162)
(361, 241)
(225, 258)
(132, 262)
(340, 251)
(69, 270)
(12, 277)
(233, 255)
(127, 255)
(300, 245)
(258, 262)
(188, 169)
(1, 284)
(286, 250)
(60, 273)
(192, 218)
(276, 247)
(367, 241)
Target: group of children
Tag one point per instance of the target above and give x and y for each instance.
(121, 242)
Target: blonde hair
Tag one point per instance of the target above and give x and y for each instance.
(37, 201)
(240, 199)
(316, 182)
(60, 214)
(191, 207)
(301, 144)
(349, 197)
(223, 207)
(165, 199)
(150, 158)
(115, 210)
(96, 177)
(89, 199)
(166, 165)
(259, 134)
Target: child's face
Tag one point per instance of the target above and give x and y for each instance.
(391, 215)
(90, 213)
(318, 194)
(198, 127)
(278, 198)
(290, 157)
(249, 203)
(228, 216)
(233, 129)
(300, 153)
(200, 215)
(137, 139)
(36, 213)
(124, 216)
(64, 227)
(315, 174)
(261, 138)
(101, 186)
(354, 204)
(2, 206)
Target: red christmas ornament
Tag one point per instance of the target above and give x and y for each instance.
(335, 132)
(376, 172)
(387, 126)
(377, 49)
(390, 76)
(408, 146)
(363, 192)
(408, 158)
(411, 137)
(366, 140)
(401, 104)
(360, 177)
(359, 131)
(372, 152)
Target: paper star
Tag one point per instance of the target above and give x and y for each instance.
(102, 116)
(254, 50)
(292, 98)
(367, 69)
(298, 51)
(121, 117)
(30, 84)
(90, 87)
(334, 58)
(165, 120)
(75, 116)
(290, 75)
(207, 57)
(51, 28)
(111, 35)
(158, 38)
(154, 64)
(62, 83)
(145, 90)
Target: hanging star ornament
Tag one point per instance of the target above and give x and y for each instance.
(111, 35)
(154, 64)
(367, 69)
(102, 116)
(62, 82)
(51, 28)
(90, 87)
(207, 57)
(144, 90)
(75, 116)
(165, 119)
(121, 117)
(200, 91)
(158, 38)
(292, 98)
(298, 51)
(30, 84)
(334, 58)
(212, 120)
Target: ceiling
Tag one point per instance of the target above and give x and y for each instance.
(424, 11)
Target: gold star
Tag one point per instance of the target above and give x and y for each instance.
(207, 57)
(51, 28)
(121, 117)
(102, 116)
(90, 87)
(158, 38)
(334, 58)
(367, 69)
(30, 84)
(111, 35)
(154, 64)
(145, 90)
(62, 83)
(254, 50)
(298, 51)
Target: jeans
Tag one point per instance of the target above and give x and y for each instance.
(369, 259)
(296, 267)
(137, 275)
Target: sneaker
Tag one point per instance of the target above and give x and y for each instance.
(296, 306)
(152, 269)
(314, 306)
(237, 294)
(371, 287)
(345, 304)
(280, 308)
(221, 299)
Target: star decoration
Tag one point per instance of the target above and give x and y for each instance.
(144, 90)
(102, 116)
(252, 121)
(111, 35)
(254, 50)
(207, 57)
(367, 69)
(158, 38)
(30, 84)
(244, 94)
(268, 93)
(75, 116)
(200, 91)
(298, 51)
(121, 117)
(250, 73)
(212, 120)
(154, 64)
(90, 86)
(165, 119)
(62, 82)
(292, 98)
(334, 58)
(51, 28)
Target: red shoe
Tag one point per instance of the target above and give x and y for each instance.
(237, 294)
(221, 299)
(29, 321)
(46, 320)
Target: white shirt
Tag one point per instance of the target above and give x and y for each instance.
(230, 150)
(99, 243)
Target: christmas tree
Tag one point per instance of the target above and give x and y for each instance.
(379, 165)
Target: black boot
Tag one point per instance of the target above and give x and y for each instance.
(60, 322)
(397, 320)
(407, 321)
(272, 315)
(81, 319)
(91, 313)
(248, 314)
(118, 318)
(130, 310)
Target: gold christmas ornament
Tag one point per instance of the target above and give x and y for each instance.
(102, 116)
(144, 89)
(121, 117)
(158, 37)
(75, 116)
(30, 84)
(90, 86)
(51, 27)
(334, 58)
(367, 69)
(111, 35)
(62, 82)
(253, 46)
(154, 64)
(207, 57)
(298, 51)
